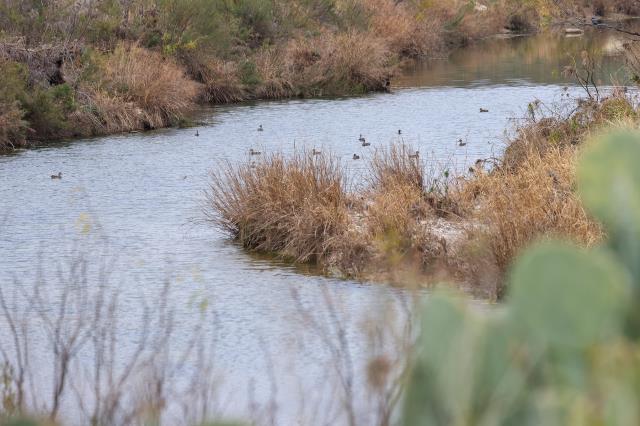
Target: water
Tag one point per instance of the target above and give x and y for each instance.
(137, 201)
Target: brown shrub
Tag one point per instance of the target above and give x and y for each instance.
(537, 200)
(292, 206)
(393, 166)
(405, 33)
(338, 64)
(221, 82)
(395, 210)
(275, 81)
(105, 113)
(539, 136)
(154, 84)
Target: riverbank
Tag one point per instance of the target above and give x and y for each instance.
(74, 72)
(412, 223)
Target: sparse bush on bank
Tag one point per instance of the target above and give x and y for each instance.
(218, 52)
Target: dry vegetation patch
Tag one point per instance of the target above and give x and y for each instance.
(410, 225)
(154, 84)
(294, 206)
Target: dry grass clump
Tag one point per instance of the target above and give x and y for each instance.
(340, 63)
(394, 166)
(539, 137)
(294, 206)
(559, 131)
(406, 34)
(154, 84)
(398, 213)
(536, 200)
(221, 82)
(275, 79)
(105, 113)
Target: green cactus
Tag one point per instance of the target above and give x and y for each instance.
(609, 181)
(562, 349)
(567, 297)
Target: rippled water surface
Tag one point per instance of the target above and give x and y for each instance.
(137, 200)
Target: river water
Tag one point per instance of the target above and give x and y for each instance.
(137, 200)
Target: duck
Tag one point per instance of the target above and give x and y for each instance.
(365, 143)
(315, 152)
(58, 176)
(356, 157)
(399, 131)
(260, 129)
(362, 139)
(416, 155)
(197, 134)
(484, 110)
(254, 152)
(596, 20)
(461, 143)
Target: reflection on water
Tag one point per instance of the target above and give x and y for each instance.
(522, 60)
(141, 195)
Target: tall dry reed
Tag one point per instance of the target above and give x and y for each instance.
(294, 205)
(155, 85)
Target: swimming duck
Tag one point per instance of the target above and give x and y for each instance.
(596, 20)
(58, 176)
(365, 143)
(254, 152)
(416, 155)
(399, 131)
(362, 139)
(461, 143)
(260, 129)
(484, 110)
(315, 152)
(197, 134)
(356, 157)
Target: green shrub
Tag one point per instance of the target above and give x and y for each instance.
(184, 26)
(47, 110)
(249, 75)
(12, 88)
(256, 17)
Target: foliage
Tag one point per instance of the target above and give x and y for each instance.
(563, 349)
(291, 206)
(12, 87)
(237, 50)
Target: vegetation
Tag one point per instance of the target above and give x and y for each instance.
(104, 66)
(424, 224)
(563, 349)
